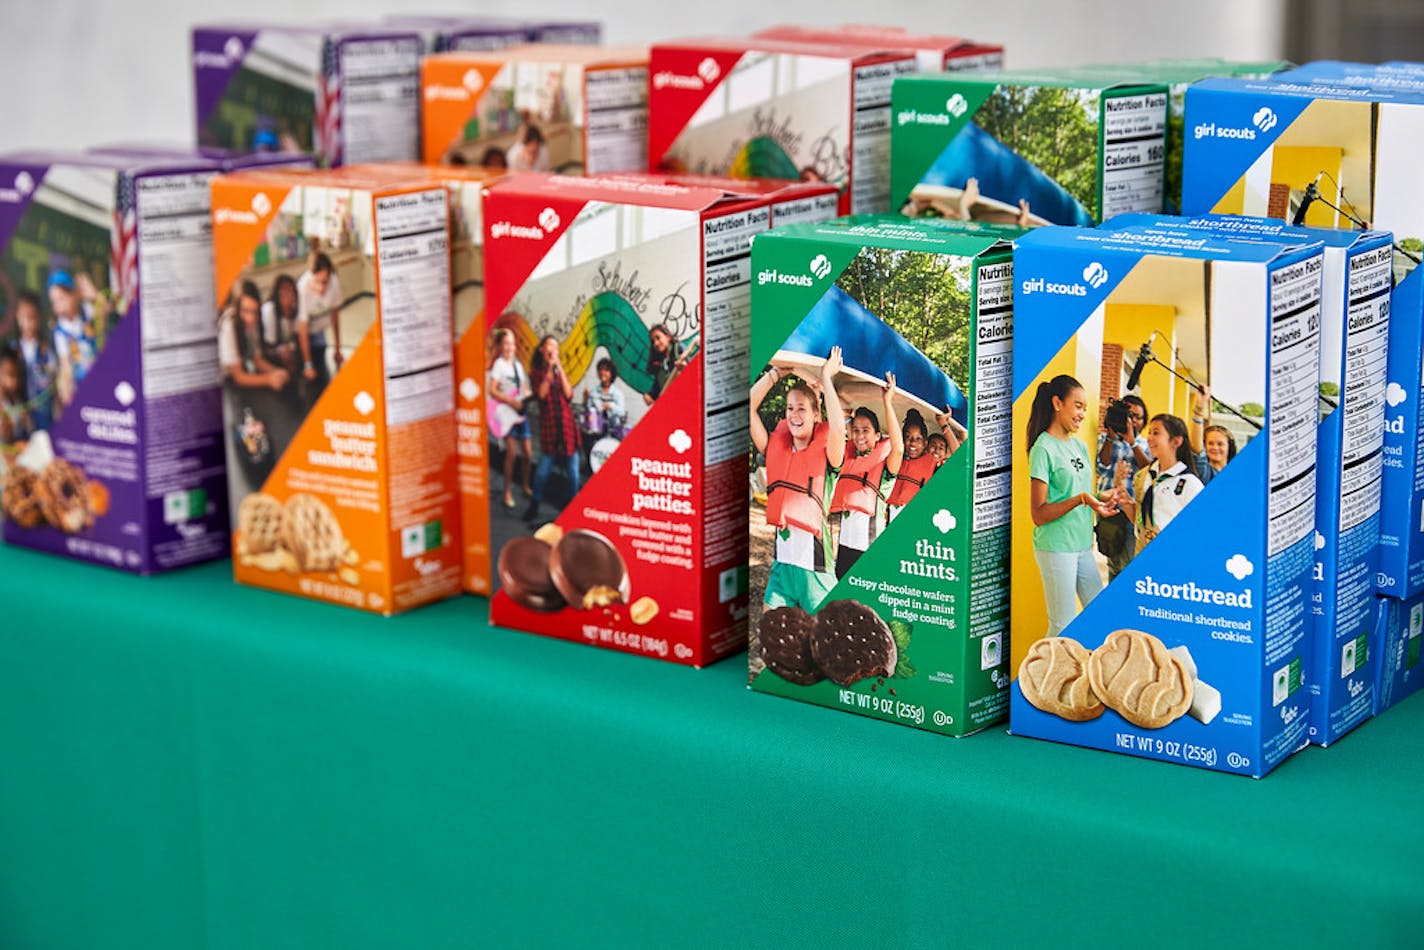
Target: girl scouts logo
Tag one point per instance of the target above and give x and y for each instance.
(820, 266)
(21, 189)
(1240, 567)
(1095, 274)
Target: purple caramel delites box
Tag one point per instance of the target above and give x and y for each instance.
(113, 435)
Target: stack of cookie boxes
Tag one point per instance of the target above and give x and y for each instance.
(1335, 145)
(1354, 336)
(1198, 650)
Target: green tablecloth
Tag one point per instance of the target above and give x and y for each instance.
(185, 763)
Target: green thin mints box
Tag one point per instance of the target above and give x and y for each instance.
(1027, 148)
(880, 419)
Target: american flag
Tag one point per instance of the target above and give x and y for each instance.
(327, 134)
(123, 245)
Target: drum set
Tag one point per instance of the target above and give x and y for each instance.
(603, 429)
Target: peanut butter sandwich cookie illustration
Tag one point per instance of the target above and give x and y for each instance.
(259, 521)
(311, 532)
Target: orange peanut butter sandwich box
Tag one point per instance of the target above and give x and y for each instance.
(335, 344)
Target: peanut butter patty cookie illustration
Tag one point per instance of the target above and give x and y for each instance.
(311, 532)
(1135, 674)
(1054, 677)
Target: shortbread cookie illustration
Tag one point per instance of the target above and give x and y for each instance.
(1054, 677)
(1135, 674)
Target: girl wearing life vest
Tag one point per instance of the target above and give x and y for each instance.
(1061, 500)
(799, 453)
(917, 466)
(1166, 486)
(869, 460)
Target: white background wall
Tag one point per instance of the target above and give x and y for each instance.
(78, 72)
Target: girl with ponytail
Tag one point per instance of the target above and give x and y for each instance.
(1061, 500)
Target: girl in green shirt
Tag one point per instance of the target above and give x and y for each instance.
(1061, 500)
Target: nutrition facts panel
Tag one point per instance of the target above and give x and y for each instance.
(1134, 153)
(804, 210)
(411, 241)
(174, 244)
(1292, 410)
(1363, 382)
(380, 98)
(617, 132)
(726, 329)
(870, 135)
(993, 396)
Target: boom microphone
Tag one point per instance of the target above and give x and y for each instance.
(1311, 194)
(1144, 356)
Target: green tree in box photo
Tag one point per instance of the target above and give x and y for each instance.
(1056, 129)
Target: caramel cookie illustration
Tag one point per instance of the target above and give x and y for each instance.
(21, 501)
(63, 497)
